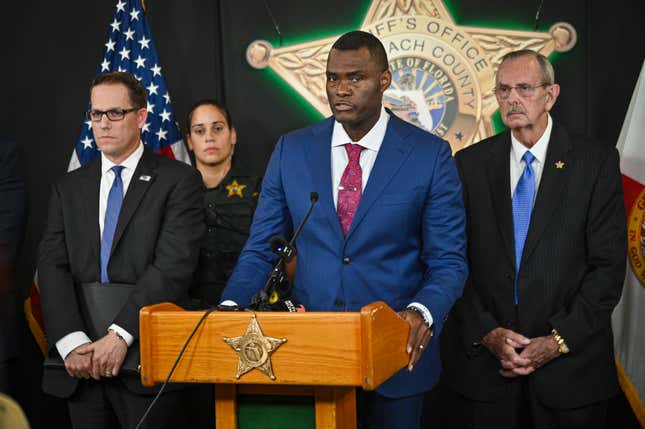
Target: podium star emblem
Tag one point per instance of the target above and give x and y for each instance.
(443, 74)
(254, 349)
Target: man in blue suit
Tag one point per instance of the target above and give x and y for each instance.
(389, 225)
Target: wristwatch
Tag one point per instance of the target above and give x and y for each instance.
(562, 346)
(119, 336)
(423, 317)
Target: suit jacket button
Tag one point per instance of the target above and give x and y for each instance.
(346, 260)
(339, 303)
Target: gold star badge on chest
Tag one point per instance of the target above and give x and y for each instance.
(235, 188)
(254, 349)
(559, 165)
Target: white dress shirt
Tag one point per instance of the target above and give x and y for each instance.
(74, 339)
(371, 142)
(538, 150)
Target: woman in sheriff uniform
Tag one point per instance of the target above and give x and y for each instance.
(230, 198)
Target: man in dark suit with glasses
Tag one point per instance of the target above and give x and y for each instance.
(529, 344)
(129, 217)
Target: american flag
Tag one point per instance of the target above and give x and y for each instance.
(129, 48)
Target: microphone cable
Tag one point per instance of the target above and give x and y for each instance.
(273, 21)
(172, 370)
(537, 14)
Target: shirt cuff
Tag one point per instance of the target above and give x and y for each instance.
(70, 341)
(427, 316)
(129, 339)
(228, 303)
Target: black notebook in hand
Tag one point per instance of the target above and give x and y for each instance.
(100, 303)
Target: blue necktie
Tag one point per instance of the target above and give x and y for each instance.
(114, 202)
(522, 206)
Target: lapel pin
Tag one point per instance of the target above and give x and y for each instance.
(145, 177)
(559, 165)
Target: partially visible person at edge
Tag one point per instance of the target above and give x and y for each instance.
(12, 222)
(230, 198)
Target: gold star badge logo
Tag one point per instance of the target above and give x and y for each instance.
(443, 74)
(559, 165)
(254, 349)
(235, 188)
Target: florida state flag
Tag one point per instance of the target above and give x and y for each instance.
(629, 316)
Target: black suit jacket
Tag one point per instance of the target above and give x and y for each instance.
(570, 278)
(155, 247)
(12, 219)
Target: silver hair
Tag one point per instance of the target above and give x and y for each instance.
(546, 68)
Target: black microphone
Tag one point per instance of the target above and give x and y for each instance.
(282, 248)
(313, 197)
(278, 286)
(290, 305)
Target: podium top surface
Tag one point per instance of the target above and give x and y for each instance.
(314, 348)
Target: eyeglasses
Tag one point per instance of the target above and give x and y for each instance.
(112, 115)
(524, 90)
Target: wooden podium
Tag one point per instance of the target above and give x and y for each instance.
(325, 355)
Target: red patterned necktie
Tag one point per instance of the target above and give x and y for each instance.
(351, 187)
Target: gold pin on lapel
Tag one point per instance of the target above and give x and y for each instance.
(559, 165)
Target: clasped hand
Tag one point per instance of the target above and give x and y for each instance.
(535, 352)
(102, 358)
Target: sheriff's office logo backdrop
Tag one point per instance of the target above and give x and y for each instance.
(443, 74)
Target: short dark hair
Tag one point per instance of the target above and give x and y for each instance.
(136, 91)
(362, 39)
(208, 102)
(546, 68)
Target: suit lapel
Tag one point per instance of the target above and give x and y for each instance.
(552, 186)
(136, 190)
(318, 155)
(499, 182)
(393, 152)
(90, 190)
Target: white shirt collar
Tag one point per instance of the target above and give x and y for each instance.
(539, 148)
(130, 162)
(372, 140)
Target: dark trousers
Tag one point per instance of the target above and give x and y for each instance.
(375, 411)
(108, 404)
(521, 409)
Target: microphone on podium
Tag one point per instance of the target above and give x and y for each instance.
(276, 295)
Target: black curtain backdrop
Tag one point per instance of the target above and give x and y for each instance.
(52, 50)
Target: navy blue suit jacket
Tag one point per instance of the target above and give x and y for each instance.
(406, 243)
